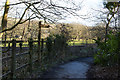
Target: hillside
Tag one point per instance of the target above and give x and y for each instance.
(25, 31)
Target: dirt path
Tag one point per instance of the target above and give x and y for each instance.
(74, 69)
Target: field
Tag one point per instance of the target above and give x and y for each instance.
(71, 43)
(80, 42)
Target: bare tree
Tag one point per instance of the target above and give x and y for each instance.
(108, 15)
(113, 8)
(4, 19)
(47, 10)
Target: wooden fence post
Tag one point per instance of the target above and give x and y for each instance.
(30, 54)
(39, 38)
(42, 45)
(13, 66)
(20, 44)
(9, 44)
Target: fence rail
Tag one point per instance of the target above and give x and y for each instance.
(15, 55)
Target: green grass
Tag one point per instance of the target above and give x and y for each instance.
(71, 43)
(80, 42)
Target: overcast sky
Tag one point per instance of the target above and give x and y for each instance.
(86, 9)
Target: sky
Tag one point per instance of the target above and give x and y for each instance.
(88, 8)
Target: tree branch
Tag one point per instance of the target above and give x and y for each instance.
(17, 22)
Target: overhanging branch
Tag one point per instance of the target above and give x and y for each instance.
(17, 22)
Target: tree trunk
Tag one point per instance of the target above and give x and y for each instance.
(106, 32)
(4, 19)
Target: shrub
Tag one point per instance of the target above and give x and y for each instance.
(56, 45)
(108, 51)
(60, 42)
(49, 43)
